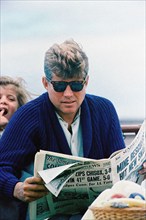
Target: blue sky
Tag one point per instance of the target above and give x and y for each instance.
(112, 34)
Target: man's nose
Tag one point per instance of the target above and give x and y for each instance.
(68, 91)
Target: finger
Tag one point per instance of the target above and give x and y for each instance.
(143, 171)
(33, 180)
(33, 195)
(2, 112)
(34, 184)
(144, 165)
(24, 192)
(33, 191)
(34, 187)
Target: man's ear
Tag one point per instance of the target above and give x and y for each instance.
(87, 80)
(45, 82)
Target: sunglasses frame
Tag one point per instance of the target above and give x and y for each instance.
(65, 84)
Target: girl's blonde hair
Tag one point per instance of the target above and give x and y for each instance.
(23, 96)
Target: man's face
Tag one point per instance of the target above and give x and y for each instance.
(67, 102)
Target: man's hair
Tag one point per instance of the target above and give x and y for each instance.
(66, 60)
(23, 96)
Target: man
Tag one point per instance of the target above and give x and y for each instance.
(64, 119)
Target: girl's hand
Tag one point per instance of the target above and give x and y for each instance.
(3, 120)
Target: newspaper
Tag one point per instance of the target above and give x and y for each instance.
(74, 182)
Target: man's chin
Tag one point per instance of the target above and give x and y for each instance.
(68, 111)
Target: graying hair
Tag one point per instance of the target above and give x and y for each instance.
(66, 60)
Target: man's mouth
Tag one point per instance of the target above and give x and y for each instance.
(68, 102)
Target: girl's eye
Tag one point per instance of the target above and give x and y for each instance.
(11, 98)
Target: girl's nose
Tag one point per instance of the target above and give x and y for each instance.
(3, 100)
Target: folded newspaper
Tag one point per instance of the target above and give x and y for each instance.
(74, 182)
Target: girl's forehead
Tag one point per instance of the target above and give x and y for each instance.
(8, 89)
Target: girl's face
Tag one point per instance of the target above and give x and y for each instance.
(8, 103)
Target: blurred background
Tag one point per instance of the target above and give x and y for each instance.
(112, 33)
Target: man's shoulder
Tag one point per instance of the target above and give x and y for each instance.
(37, 101)
(97, 99)
(33, 105)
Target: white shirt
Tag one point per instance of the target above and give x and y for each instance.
(74, 138)
(1, 132)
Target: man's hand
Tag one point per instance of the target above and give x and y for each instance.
(31, 189)
(143, 170)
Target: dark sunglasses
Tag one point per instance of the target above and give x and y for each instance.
(60, 86)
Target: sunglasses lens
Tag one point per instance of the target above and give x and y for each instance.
(59, 86)
(76, 86)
